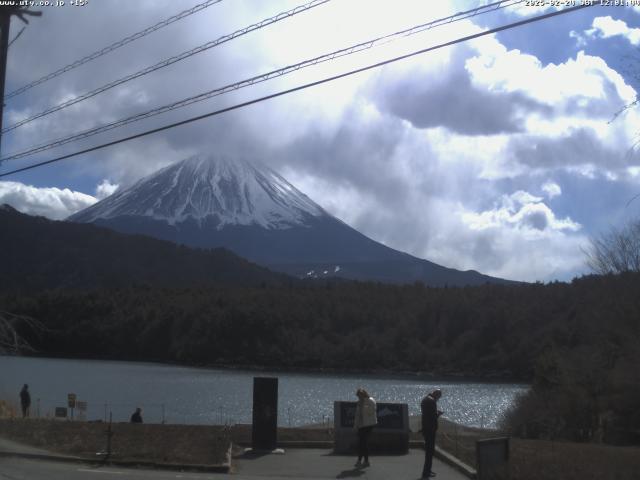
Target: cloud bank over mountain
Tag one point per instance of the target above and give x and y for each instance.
(497, 155)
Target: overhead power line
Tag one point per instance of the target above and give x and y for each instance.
(114, 46)
(303, 87)
(170, 61)
(17, 36)
(263, 78)
(7, 11)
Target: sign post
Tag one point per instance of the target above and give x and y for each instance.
(71, 401)
(61, 412)
(82, 410)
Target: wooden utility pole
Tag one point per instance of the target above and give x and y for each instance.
(5, 24)
(6, 12)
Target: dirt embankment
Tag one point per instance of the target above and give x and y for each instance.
(179, 444)
(172, 444)
(208, 445)
(542, 459)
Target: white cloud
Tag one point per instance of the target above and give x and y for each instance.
(583, 94)
(508, 248)
(52, 203)
(607, 27)
(498, 69)
(581, 41)
(105, 188)
(535, 8)
(520, 211)
(442, 177)
(463, 124)
(551, 189)
(521, 238)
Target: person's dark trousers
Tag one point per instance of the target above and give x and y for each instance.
(429, 448)
(25, 411)
(363, 442)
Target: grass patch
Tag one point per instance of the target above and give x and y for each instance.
(7, 410)
(544, 459)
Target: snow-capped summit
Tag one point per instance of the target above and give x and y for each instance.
(227, 192)
(210, 202)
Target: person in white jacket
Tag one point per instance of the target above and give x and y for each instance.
(364, 421)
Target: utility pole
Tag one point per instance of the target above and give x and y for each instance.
(5, 24)
(6, 11)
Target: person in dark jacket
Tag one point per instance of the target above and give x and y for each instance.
(430, 415)
(136, 417)
(25, 400)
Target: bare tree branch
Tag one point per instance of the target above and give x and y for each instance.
(617, 251)
(11, 341)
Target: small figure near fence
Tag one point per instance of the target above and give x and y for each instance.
(25, 400)
(430, 415)
(364, 421)
(136, 417)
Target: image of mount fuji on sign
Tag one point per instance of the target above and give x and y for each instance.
(210, 202)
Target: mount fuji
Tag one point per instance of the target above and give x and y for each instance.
(210, 202)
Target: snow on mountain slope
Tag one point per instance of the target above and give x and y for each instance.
(210, 202)
(235, 192)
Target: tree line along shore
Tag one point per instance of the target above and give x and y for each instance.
(577, 343)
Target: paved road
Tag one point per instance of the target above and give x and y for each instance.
(10, 446)
(22, 469)
(307, 464)
(312, 464)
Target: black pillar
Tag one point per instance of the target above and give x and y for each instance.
(265, 413)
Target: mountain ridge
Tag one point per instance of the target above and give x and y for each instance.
(209, 202)
(38, 253)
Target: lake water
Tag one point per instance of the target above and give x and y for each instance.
(213, 396)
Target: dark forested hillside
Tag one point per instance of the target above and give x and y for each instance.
(37, 253)
(488, 331)
(94, 293)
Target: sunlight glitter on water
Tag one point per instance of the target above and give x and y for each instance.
(213, 396)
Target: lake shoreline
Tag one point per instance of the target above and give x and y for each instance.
(427, 377)
(205, 395)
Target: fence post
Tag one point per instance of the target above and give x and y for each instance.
(455, 429)
(109, 435)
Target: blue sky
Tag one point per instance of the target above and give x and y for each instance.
(497, 155)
